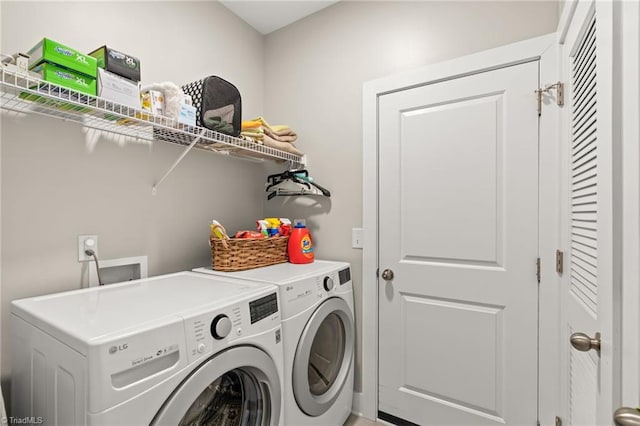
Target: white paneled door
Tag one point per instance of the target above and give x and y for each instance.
(588, 391)
(458, 226)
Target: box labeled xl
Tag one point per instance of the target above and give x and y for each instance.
(66, 78)
(117, 62)
(53, 52)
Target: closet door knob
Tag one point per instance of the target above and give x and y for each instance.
(584, 343)
(626, 416)
(387, 274)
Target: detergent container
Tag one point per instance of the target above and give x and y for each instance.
(300, 246)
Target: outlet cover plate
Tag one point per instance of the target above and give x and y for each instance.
(82, 239)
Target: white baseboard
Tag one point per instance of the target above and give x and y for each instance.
(356, 407)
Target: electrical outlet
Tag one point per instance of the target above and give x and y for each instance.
(86, 242)
(356, 238)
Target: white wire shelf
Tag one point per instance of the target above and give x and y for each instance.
(26, 94)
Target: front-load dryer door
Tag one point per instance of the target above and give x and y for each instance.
(323, 357)
(237, 387)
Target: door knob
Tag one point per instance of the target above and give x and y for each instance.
(387, 274)
(626, 416)
(584, 343)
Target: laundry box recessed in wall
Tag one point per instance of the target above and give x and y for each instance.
(119, 270)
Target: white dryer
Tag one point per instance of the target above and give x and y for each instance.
(319, 337)
(178, 349)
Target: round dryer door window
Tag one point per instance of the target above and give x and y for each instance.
(323, 357)
(326, 355)
(239, 386)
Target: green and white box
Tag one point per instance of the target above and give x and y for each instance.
(66, 78)
(51, 51)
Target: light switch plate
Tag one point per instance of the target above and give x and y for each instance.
(356, 238)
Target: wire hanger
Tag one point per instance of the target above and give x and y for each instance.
(293, 182)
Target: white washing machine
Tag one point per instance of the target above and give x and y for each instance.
(178, 349)
(319, 336)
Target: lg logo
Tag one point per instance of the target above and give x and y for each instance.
(114, 349)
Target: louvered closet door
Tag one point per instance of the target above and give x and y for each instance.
(587, 300)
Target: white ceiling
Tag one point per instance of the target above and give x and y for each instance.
(268, 15)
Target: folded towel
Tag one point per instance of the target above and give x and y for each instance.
(285, 132)
(251, 124)
(284, 146)
(262, 121)
(279, 128)
(288, 137)
(253, 133)
(250, 139)
(278, 136)
(258, 130)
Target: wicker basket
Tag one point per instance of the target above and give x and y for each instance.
(239, 254)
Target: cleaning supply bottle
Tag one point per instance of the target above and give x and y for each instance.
(217, 230)
(300, 246)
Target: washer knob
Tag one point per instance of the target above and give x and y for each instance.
(328, 283)
(201, 348)
(220, 327)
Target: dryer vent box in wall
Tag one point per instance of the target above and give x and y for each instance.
(119, 270)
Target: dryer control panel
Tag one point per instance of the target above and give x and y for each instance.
(302, 294)
(344, 275)
(333, 281)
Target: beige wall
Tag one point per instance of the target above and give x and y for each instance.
(54, 188)
(314, 71)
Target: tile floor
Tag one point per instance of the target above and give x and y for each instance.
(359, 421)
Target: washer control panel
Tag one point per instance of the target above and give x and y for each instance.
(220, 327)
(204, 331)
(209, 331)
(263, 307)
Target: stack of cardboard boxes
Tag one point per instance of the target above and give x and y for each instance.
(64, 66)
(118, 76)
(105, 72)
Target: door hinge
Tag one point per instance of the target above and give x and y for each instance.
(377, 272)
(559, 86)
(558, 421)
(559, 262)
(538, 270)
